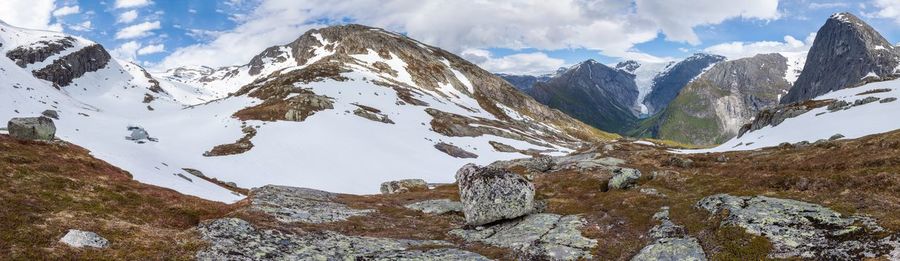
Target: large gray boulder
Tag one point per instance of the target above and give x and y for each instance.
(492, 194)
(78, 238)
(403, 186)
(624, 178)
(34, 128)
(799, 229)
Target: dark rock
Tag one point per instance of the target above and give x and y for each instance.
(454, 151)
(373, 116)
(68, 68)
(36, 128)
(51, 114)
(888, 99)
(492, 194)
(836, 137)
(39, 51)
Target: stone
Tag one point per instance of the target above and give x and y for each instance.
(681, 162)
(799, 229)
(624, 178)
(670, 242)
(373, 116)
(51, 114)
(722, 158)
(237, 239)
(35, 128)
(836, 137)
(139, 135)
(454, 151)
(290, 204)
(536, 237)
(436, 206)
(493, 194)
(888, 99)
(652, 192)
(78, 239)
(403, 186)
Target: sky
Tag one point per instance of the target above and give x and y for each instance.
(513, 36)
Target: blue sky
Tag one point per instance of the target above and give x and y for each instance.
(520, 36)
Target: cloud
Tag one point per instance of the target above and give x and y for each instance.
(828, 5)
(132, 3)
(127, 51)
(889, 9)
(737, 50)
(127, 17)
(66, 10)
(82, 27)
(151, 49)
(611, 27)
(677, 18)
(138, 31)
(535, 63)
(33, 14)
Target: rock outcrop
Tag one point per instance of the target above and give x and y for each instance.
(846, 52)
(436, 206)
(624, 178)
(237, 239)
(68, 68)
(493, 194)
(670, 242)
(35, 128)
(78, 238)
(403, 186)
(290, 204)
(39, 51)
(536, 237)
(454, 151)
(799, 229)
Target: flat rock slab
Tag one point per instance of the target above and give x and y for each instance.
(436, 206)
(670, 242)
(539, 236)
(579, 162)
(236, 239)
(79, 239)
(801, 229)
(290, 204)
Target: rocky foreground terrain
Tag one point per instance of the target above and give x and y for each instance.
(621, 200)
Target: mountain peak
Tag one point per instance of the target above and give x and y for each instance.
(628, 66)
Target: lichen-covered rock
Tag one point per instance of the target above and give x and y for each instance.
(436, 206)
(79, 238)
(403, 186)
(624, 178)
(236, 239)
(800, 229)
(35, 128)
(290, 204)
(536, 237)
(670, 242)
(492, 194)
(454, 151)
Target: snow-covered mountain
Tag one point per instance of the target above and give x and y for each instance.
(843, 114)
(341, 108)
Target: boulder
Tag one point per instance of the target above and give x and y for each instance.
(492, 194)
(78, 238)
(836, 137)
(35, 128)
(51, 114)
(139, 135)
(624, 178)
(403, 186)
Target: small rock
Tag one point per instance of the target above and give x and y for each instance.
(492, 194)
(836, 137)
(722, 158)
(624, 178)
(888, 99)
(79, 238)
(454, 151)
(436, 206)
(403, 186)
(681, 162)
(51, 114)
(139, 135)
(35, 128)
(652, 192)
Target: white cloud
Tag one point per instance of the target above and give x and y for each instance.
(535, 63)
(127, 51)
(67, 10)
(151, 49)
(677, 18)
(889, 9)
(138, 31)
(127, 17)
(828, 5)
(611, 27)
(736, 50)
(82, 27)
(34, 14)
(132, 3)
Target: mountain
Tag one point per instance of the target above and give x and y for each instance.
(594, 93)
(847, 52)
(340, 108)
(644, 75)
(665, 85)
(712, 108)
(525, 82)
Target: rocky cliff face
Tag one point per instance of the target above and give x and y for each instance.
(712, 108)
(847, 52)
(667, 84)
(67, 68)
(593, 93)
(524, 82)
